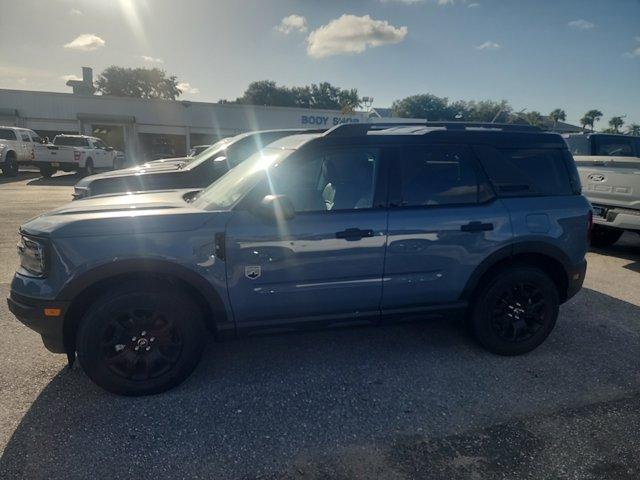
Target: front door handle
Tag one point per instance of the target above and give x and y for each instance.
(353, 234)
(477, 227)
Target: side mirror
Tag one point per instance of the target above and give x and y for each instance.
(276, 207)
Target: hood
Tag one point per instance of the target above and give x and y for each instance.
(159, 211)
(171, 165)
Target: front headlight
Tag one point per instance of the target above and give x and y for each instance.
(32, 256)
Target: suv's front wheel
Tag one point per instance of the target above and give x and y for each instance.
(515, 310)
(141, 339)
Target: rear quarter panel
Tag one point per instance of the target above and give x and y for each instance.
(559, 221)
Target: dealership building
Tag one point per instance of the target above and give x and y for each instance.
(146, 129)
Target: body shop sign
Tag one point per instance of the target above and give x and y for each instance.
(326, 121)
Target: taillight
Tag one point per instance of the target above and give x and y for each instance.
(76, 155)
(589, 224)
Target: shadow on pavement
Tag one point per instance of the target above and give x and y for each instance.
(20, 177)
(60, 179)
(340, 402)
(628, 248)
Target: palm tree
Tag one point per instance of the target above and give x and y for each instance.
(633, 129)
(557, 115)
(592, 116)
(615, 123)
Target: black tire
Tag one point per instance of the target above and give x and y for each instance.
(88, 168)
(46, 171)
(515, 310)
(603, 237)
(141, 338)
(10, 165)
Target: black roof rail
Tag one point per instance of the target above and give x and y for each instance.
(357, 129)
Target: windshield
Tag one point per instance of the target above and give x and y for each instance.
(217, 147)
(234, 185)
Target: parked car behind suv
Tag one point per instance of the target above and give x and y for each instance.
(186, 172)
(609, 167)
(361, 224)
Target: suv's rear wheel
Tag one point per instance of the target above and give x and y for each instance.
(140, 340)
(515, 310)
(602, 237)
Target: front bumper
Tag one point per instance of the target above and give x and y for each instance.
(576, 279)
(31, 312)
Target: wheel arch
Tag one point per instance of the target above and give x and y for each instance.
(84, 290)
(550, 259)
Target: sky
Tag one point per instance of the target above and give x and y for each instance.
(537, 54)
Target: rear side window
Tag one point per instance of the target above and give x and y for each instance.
(6, 134)
(578, 144)
(614, 146)
(437, 175)
(526, 172)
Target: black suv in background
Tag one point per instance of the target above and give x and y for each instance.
(197, 172)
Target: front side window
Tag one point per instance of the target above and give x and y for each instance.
(24, 136)
(340, 179)
(614, 146)
(437, 175)
(35, 138)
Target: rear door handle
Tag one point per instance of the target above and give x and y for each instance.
(353, 234)
(477, 227)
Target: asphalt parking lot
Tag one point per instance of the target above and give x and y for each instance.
(417, 400)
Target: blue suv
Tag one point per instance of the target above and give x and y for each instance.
(360, 224)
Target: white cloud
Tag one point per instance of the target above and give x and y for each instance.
(148, 59)
(185, 87)
(488, 45)
(581, 24)
(292, 23)
(85, 42)
(66, 78)
(74, 12)
(633, 54)
(473, 5)
(351, 34)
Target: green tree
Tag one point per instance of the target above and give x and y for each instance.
(266, 92)
(488, 111)
(590, 118)
(137, 82)
(615, 123)
(557, 115)
(426, 106)
(633, 129)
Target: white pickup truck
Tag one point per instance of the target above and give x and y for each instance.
(17, 146)
(24, 147)
(79, 153)
(609, 167)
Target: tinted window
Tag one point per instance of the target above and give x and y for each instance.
(437, 175)
(614, 146)
(578, 144)
(6, 134)
(100, 144)
(526, 172)
(336, 180)
(71, 141)
(25, 137)
(35, 137)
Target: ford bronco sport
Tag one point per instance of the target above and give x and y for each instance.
(359, 224)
